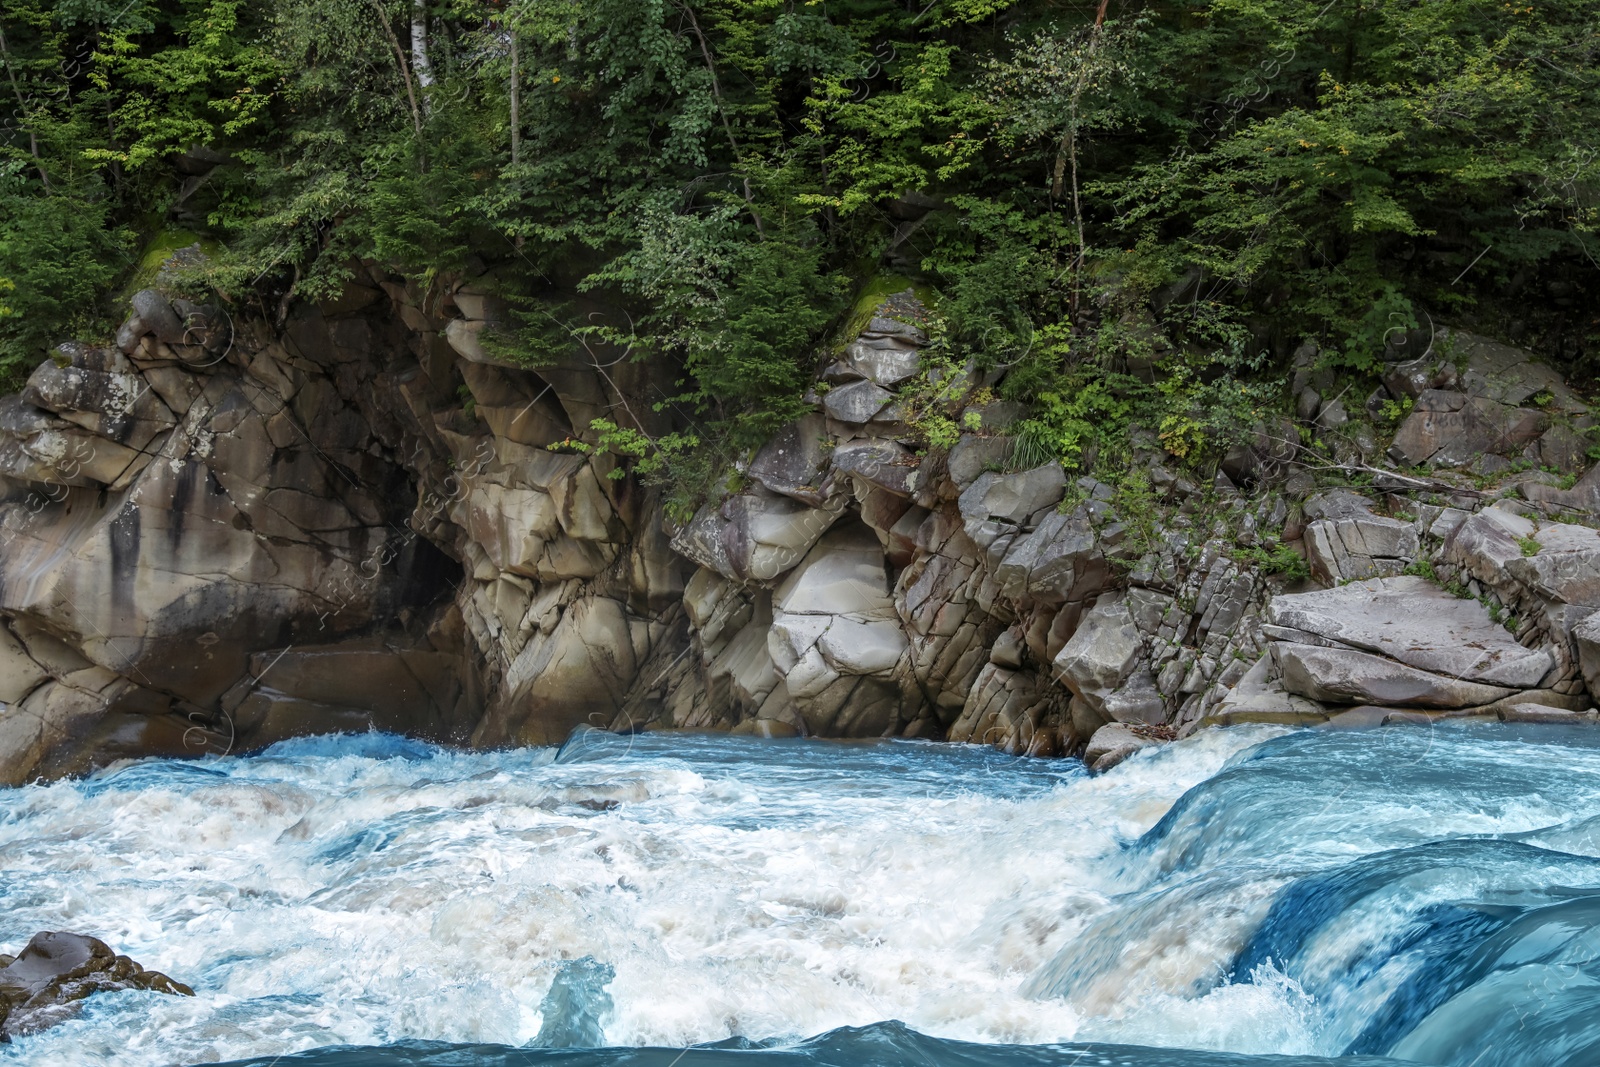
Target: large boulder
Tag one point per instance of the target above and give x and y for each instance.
(1102, 653)
(116, 403)
(877, 357)
(998, 503)
(156, 317)
(1550, 572)
(756, 534)
(794, 461)
(1581, 500)
(843, 575)
(175, 581)
(1114, 743)
(1414, 622)
(888, 465)
(516, 406)
(1506, 375)
(886, 350)
(857, 402)
(1564, 568)
(1485, 544)
(1061, 560)
(836, 639)
(1451, 429)
(1259, 696)
(972, 456)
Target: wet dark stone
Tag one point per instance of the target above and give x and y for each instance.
(43, 985)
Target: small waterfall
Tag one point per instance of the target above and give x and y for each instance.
(575, 1009)
(1422, 895)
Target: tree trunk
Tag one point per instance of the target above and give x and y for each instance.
(405, 72)
(419, 43)
(1067, 153)
(516, 100)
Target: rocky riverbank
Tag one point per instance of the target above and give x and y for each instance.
(220, 532)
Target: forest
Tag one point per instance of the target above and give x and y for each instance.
(1138, 210)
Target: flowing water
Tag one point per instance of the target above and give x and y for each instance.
(1430, 895)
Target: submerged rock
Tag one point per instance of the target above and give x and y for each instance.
(43, 985)
(575, 1010)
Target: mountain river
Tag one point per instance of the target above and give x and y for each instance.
(1250, 896)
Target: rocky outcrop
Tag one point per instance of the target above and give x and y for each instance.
(181, 503)
(1509, 631)
(46, 982)
(220, 533)
(1475, 399)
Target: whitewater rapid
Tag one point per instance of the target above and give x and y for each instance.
(370, 890)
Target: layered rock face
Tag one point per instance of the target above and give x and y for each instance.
(1505, 635)
(200, 493)
(219, 533)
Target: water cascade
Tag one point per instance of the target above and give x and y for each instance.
(1426, 895)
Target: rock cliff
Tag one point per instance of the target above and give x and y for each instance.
(221, 531)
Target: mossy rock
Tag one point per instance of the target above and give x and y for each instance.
(878, 290)
(167, 250)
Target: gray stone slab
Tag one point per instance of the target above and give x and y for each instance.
(1343, 676)
(1414, 622)
(856, 402)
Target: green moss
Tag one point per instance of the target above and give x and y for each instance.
(878, 289)
(159, 250)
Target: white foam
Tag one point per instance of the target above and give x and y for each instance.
(736, 888)
(338, 899)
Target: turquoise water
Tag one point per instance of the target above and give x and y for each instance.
(1249, 896)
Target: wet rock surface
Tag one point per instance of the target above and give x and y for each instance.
(46, 982)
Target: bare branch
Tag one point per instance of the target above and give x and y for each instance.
(22, 106)
(405, 68)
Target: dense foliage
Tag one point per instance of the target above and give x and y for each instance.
(728, 174)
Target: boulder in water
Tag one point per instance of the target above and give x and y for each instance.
(1115, 742)
(42, 986)
(576, 1007)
